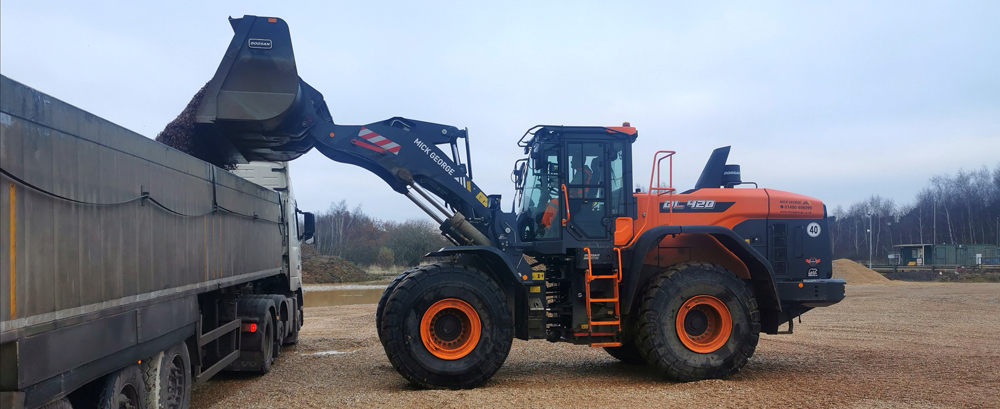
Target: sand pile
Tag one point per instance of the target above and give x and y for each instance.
(183, 135)
(855, 273)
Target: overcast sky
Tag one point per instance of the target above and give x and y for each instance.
(835, 100)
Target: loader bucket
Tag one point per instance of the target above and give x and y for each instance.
(255, 98)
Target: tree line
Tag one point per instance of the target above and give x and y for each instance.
(362, 239)
(959, 209)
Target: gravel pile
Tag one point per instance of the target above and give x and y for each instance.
(856, 274)
(901, 346)
(324, 269)
(182, 134)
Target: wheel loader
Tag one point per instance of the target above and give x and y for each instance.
(681, 281)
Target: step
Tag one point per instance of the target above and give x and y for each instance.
(603, 300)
(595, 334)
(593, 323)
(605, 344)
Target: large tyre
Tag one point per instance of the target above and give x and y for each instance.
(627, 353)
(293, 338)
(698, 321)
(123, 389)
(385, 297)
(267, 343)
(168, 378)
(447, 326)
(59, 404)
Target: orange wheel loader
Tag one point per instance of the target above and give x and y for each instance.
(682, 281)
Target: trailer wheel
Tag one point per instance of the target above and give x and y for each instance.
(698, 321)
(168, 378)
(627, 353)
(63, 403)
(447, 326)
(123, 389)
(385, 297)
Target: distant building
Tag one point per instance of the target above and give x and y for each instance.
(947, 254)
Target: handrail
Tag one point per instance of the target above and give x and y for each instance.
(655, 198)
(619, 251)
(587, 278)
(566, 200)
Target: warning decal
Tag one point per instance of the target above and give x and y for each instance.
(379, 140)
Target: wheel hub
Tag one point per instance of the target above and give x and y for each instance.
(128, 398)
(447, 327)
(703, 324)
(695, 322)
(175, 384)
(450, 329)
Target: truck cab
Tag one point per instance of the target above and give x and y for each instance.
(275, 176)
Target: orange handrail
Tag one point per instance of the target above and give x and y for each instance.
(655, 198)
(566, 200)
(587, 278)
(619, 251)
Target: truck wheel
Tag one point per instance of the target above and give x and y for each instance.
(385, 297)
(627, 353)
(267, 343)
(123, 389)
(293, 338)
(698, 321)
(168, 378)
(447, 326)
(279, 330)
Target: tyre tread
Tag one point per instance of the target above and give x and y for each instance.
(394, 347)
(650, 346)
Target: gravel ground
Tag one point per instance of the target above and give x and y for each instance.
(916, 345)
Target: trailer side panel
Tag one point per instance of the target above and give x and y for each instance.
(99, 224)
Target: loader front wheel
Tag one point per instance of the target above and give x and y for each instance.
(385, 297)
(447, 326)
(698, 321)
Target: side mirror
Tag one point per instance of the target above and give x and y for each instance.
(519, 171)
(308, 227)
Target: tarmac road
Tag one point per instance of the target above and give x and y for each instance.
(886, 346)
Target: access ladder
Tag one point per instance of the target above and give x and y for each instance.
(614, 278)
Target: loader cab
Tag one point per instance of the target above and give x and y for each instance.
(573, 185)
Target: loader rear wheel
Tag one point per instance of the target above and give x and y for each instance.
(447, 326)
(385, 297)
(698, 321)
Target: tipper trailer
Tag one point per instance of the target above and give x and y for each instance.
(131, 270)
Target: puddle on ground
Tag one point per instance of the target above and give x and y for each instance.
(333, 352)
(348, 295)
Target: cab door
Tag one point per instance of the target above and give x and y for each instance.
(594, 189)
(585, 190)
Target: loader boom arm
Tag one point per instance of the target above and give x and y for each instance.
(266, 112)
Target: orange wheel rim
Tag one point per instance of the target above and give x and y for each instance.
(450, 329)
(704, 324)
